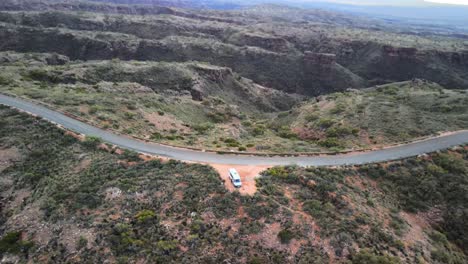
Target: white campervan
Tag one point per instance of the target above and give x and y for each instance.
(235, 178)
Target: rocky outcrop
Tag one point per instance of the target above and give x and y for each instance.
(268, 42)
(458, 58)
(385, 63)
(213, 73)
(164, 7)
(323, 59)
(286, 72)
(400, 52)
(322, 68)
(38, 5)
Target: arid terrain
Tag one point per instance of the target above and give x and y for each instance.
(69, 201)
(226, 77)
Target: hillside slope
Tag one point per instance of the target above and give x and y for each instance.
(380, 115)
(210, 107)
(67, 201)
(289, 49)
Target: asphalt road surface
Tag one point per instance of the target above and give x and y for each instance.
(387, 154)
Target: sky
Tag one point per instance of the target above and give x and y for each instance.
(456, 2)
(394, 2)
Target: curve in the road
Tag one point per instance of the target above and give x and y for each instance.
(392, 153)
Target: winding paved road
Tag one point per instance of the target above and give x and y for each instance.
(392, 153)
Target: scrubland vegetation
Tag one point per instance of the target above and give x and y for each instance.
(179, 77)
(381, 115)
(266, 80)
(67, 200)
(209, 107)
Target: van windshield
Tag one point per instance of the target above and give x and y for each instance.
(237, 180)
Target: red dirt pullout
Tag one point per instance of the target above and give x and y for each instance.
(247, 174)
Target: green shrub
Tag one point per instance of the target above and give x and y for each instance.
(202, 128)
(258, 130)
(313, 207)
(440, 256)
(339, 108)
(278, 171)
(285, 132)
(93, 109)
(12, 243)
(439, 238)
(366, 257)
(145, 215)
(330, 143)
(156, 136)
(247, 123)
(398, 224)
(341, 131)
(325, 123)
(167, 245)
(310, 117)
(130, 155)
(82, 242)
(91, 142)
(44, 76)
(4, 80)
(257, 260)
(285, 236)
(129, 115)
(218, 117)
(451, 163)
(261, 211)
(230, 142)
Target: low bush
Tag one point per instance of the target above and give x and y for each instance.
(12, 243)
(202, 128)
(285, 236)
(4, 80)
(130, 155)
(145, 215)
(311, 117)
(325, 123)
(330, 142)
(366, 257)
(92, 142)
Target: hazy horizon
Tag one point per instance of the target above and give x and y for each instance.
(453, 2)
(390, 2)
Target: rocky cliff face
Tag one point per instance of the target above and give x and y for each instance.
(291, 63)
(456, 58)
(323, 59)
(384, 63)
(266, 42)
(34, 5)
(214, 74)
(400, 53)
(281, 71)
(201, 81)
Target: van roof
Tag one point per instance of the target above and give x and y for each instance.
(234, 173)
